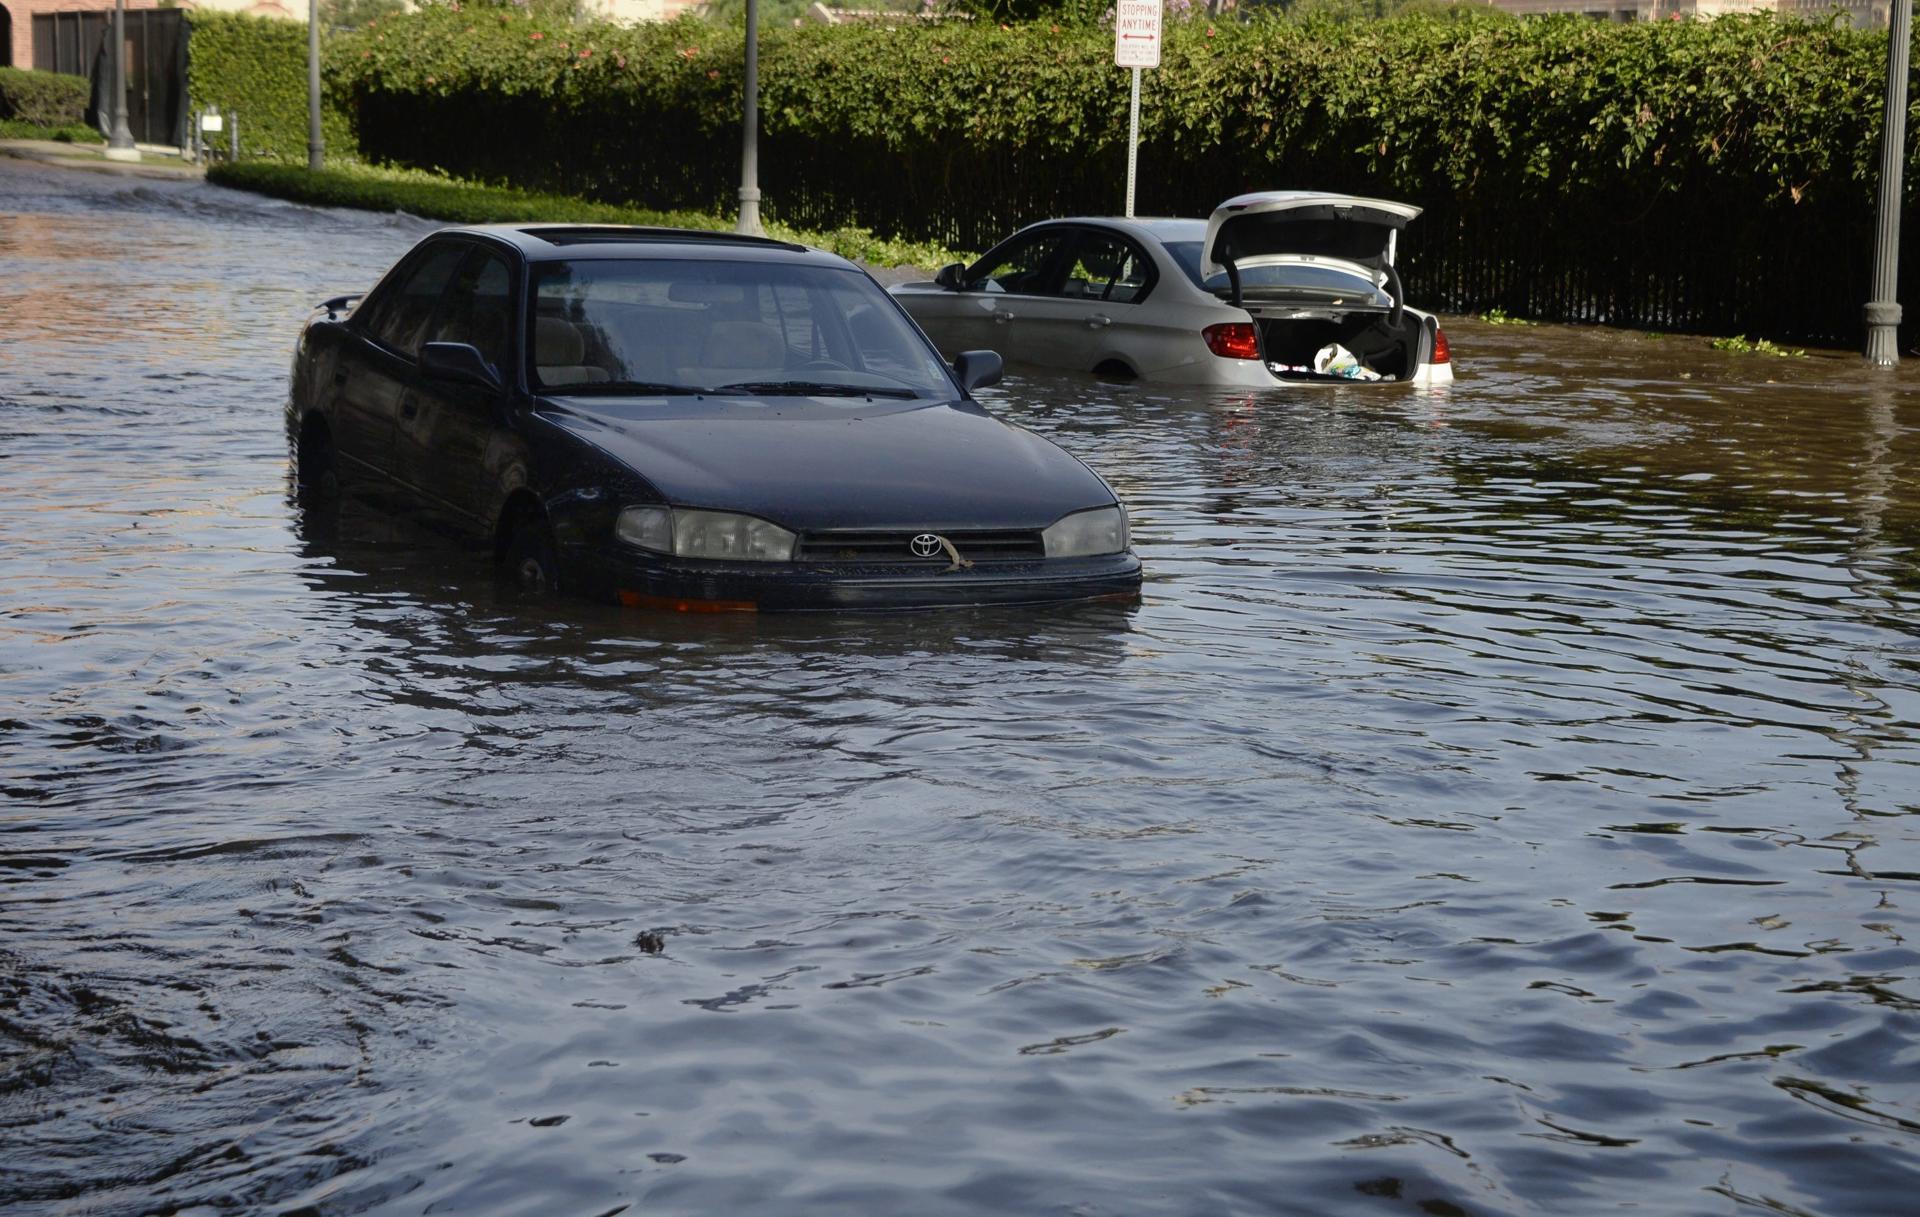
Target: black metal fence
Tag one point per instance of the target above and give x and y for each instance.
(1709, 257)
(80, 44)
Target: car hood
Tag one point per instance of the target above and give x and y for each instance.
(812, 464)
(1271, 225)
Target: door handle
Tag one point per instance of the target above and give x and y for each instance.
(1099, 321)
(1000, 318)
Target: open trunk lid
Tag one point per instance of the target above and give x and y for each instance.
(1274, 229)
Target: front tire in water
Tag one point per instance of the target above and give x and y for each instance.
(531, 564)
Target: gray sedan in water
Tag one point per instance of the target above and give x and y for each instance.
(1275, 287)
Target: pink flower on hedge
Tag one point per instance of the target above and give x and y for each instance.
(713, 74)
(536, 36)
(1209, 31)
(586, 52)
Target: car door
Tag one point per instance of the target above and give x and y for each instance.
(374, 374)
(445, 428)
(1092, 314)
(1003, 293)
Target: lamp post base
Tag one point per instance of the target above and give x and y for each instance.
(749, 224)
(129, 153)
(1883, 334)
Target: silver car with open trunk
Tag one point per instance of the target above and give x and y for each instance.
(1276, 287)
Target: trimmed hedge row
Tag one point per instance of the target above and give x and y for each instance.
(257, 66)
(43, 99)
(1772, 110)
(1673, 175)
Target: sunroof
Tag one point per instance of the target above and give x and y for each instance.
(622, 235)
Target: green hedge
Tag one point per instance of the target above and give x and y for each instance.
(43, 99)
(257, 66)
(1676, 175)
(67, 133)
(1517, 109)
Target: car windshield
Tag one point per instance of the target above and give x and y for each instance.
(662, 326)
(1308, 278)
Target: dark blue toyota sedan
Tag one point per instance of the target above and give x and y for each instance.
(692, 421)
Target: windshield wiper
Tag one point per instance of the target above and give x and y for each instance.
(587, 388)
(812, 388)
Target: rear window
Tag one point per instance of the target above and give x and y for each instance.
(1314, 278)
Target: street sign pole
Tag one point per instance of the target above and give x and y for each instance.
(1136, 45)
(1133, 141)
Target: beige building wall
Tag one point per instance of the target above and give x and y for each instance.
(1863, 14)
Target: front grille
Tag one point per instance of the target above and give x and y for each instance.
(975, 545)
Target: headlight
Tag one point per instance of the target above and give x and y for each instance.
(722, 535)
(1086, 533)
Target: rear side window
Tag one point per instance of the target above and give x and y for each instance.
(1108, 268)
(399, 318)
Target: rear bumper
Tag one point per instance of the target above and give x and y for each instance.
(640, 581)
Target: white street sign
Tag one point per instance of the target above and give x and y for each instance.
(1136, 33)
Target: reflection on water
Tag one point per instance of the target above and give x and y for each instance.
(1501, 801)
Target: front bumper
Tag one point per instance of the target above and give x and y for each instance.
(677, 584)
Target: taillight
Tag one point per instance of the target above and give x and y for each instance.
(1442, 353)
(1233, 340)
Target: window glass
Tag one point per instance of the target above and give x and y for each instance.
(1319, 279)
(1020, 268)
(1106, 268)
(640, 325)
(402, 315)
(478, 309)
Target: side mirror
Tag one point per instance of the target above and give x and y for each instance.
(458, 361)
(977, 369)
(951, 276)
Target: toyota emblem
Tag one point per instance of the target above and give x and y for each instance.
(926, 545)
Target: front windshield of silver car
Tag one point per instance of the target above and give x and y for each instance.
(663, 326)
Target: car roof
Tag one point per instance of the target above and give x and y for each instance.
(1161, 228)
(562, 242)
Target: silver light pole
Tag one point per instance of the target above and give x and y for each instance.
(316, 146)
(120, 136)
(1883, 310)
(749, 148)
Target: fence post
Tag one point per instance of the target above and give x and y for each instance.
(233, 135)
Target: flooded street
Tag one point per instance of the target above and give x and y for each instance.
(1503, 800)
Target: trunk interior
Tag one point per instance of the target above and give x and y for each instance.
(1290, 344)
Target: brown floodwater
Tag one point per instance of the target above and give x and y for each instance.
(1503, 800)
